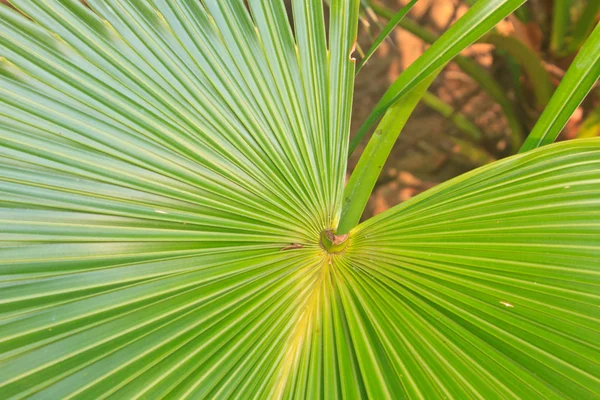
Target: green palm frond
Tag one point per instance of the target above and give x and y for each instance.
(167, 170)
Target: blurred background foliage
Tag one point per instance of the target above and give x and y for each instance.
(481, 107)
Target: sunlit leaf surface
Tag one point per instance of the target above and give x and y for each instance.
(166, 170)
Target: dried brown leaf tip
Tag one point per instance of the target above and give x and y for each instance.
(335, 239)
(292, 246)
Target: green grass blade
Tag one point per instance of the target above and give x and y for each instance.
(583, 27)
(477, 21)
(457, 118)
(385, 32)
(561, 18)
(470, 67)
(575, 85)
(363, 178)
(531, 63)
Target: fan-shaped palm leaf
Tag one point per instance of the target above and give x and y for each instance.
(167, 170)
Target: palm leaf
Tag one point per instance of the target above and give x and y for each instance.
(166, 171)
(492, 278)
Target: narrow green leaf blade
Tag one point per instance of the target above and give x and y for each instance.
(531, 63)
(480, 18)
(365, 174)
(561, 18)
(581, 76)
(343, 31)
(470, 67)
(385, 32)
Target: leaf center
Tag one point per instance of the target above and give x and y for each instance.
(333, 243)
